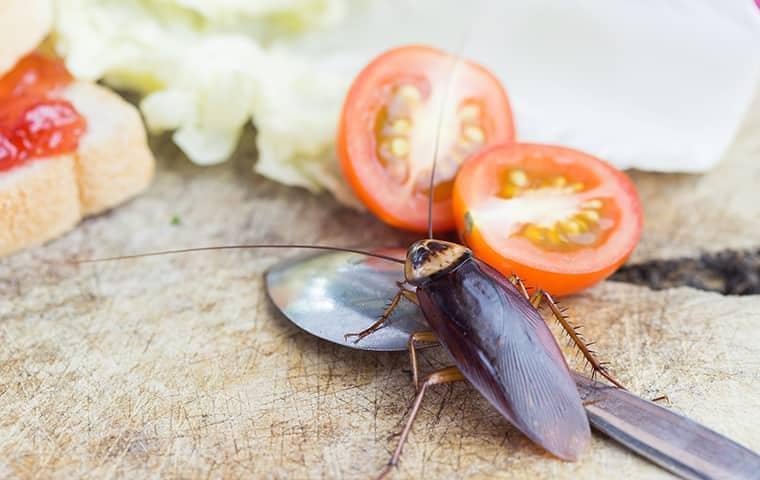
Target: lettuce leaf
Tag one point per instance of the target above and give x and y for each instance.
(206, 68)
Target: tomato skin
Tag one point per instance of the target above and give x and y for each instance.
(559, 273)
(558, 284)
(357, 145)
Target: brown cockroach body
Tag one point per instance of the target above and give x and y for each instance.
(497, 340)
(502, 346)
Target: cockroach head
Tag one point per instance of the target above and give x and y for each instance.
(428, 258)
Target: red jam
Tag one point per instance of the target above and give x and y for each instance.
(33, 123)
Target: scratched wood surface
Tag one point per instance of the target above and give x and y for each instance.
(179, 367)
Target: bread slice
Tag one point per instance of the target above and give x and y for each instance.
(23, 25)
(47, 197)
(113, 162)
(38, 201)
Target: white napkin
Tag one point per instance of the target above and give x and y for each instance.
(650, 84)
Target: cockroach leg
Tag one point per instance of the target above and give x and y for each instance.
(402, 292)
(380, 321)
(536, 298)
(597, 366)
(419, 337)
(445, 375)
(517, 282)
(409, 294)
(661, 398)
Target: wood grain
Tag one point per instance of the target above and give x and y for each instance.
(178, 366)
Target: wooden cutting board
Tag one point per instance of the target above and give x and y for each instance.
(179, 367)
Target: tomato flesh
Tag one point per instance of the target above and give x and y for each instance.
(399, 107)
(561, 219)
(33, 124)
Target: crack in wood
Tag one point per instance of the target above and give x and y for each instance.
(730, 272)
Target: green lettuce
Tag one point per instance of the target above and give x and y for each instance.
(205, 68)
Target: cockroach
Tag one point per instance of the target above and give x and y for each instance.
(494, 334)
(491, 329)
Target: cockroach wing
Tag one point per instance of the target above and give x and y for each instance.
(505, 349)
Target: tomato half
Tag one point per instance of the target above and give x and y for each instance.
(390, 123)
(561, 219)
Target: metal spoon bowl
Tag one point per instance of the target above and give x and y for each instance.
(330, 295)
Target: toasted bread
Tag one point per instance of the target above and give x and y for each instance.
(38, 201)
(48, 196)
(113, 162)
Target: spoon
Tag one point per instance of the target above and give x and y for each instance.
(330, 294)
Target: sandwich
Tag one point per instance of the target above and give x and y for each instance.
(68, 148)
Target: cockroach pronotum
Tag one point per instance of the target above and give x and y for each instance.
(492, 330)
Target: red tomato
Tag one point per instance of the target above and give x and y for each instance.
(389, 124)
(559, 218)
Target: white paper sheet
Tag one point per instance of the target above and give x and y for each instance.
(650, 84)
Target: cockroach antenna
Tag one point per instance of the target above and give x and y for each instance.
(237, 247)
(435, 157)
(442, 113)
